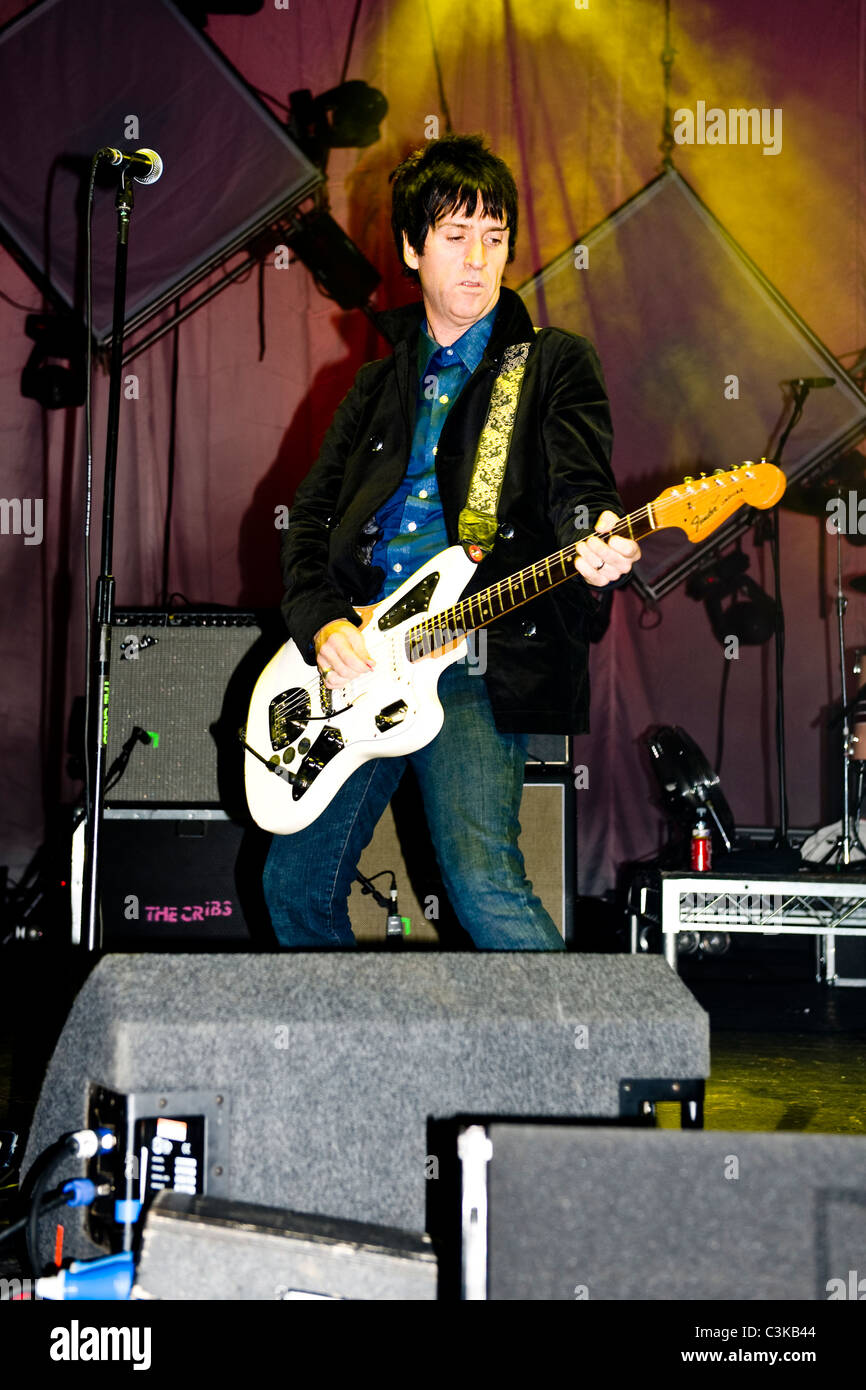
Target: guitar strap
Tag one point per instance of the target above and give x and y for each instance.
(476, 525)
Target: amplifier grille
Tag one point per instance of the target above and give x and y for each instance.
(187, 681)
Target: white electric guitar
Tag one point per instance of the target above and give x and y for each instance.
(304, 740)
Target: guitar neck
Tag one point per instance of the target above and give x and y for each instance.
(481, 608)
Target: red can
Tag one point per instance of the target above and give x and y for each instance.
(702, 845)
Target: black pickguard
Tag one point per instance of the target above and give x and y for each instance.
(416, 601)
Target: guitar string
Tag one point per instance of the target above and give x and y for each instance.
(436, 625)
(450, 622)
(454, 630)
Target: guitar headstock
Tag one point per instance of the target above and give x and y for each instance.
(699, 505)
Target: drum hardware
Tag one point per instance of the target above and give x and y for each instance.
(687, 782)
(853, 742)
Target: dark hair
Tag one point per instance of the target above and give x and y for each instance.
(445, 176)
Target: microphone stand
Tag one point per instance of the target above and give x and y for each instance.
(97, 749)
(783, 854)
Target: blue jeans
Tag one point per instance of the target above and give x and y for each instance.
(471, 781)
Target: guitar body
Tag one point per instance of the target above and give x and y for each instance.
(392, 710)
(303, 741)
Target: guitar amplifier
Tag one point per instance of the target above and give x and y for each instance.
(185, 678)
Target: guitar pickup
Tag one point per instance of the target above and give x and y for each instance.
(326, 747)
(391, 716)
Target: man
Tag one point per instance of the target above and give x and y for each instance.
(386, 494)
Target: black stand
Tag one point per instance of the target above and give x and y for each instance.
(840, 853)
(97, 743)
(782, 854)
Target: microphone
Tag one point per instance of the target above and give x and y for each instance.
(147, 161)
(815, 382)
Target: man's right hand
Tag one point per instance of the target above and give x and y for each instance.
(341, 652)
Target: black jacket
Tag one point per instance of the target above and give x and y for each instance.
(536, 656)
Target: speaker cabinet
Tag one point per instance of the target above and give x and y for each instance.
(580, 1212)
(312, 1076)
(401, 843)
(186, 680)
(208, 1248)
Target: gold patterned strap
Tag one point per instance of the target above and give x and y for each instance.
(477, 520)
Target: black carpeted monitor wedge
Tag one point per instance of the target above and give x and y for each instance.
(599, 1213)
(206, 1248)
(306, 1081)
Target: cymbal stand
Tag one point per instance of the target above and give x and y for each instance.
(840, 853)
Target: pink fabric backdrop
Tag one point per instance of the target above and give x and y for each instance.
(572, 99)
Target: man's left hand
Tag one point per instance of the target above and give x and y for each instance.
(602, 560)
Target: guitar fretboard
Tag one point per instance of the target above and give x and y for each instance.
(707, 501)
(477, 610)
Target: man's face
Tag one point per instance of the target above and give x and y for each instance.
(461, 269)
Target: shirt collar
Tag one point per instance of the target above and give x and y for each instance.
(469, 347)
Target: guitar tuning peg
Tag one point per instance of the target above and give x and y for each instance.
(688, 480)
(718, 471)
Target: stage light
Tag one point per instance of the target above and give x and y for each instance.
(334, 260)
(197, 13)
(750, 617)
(345, 117)
(55, 374)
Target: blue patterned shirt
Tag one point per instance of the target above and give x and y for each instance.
(411, 523)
